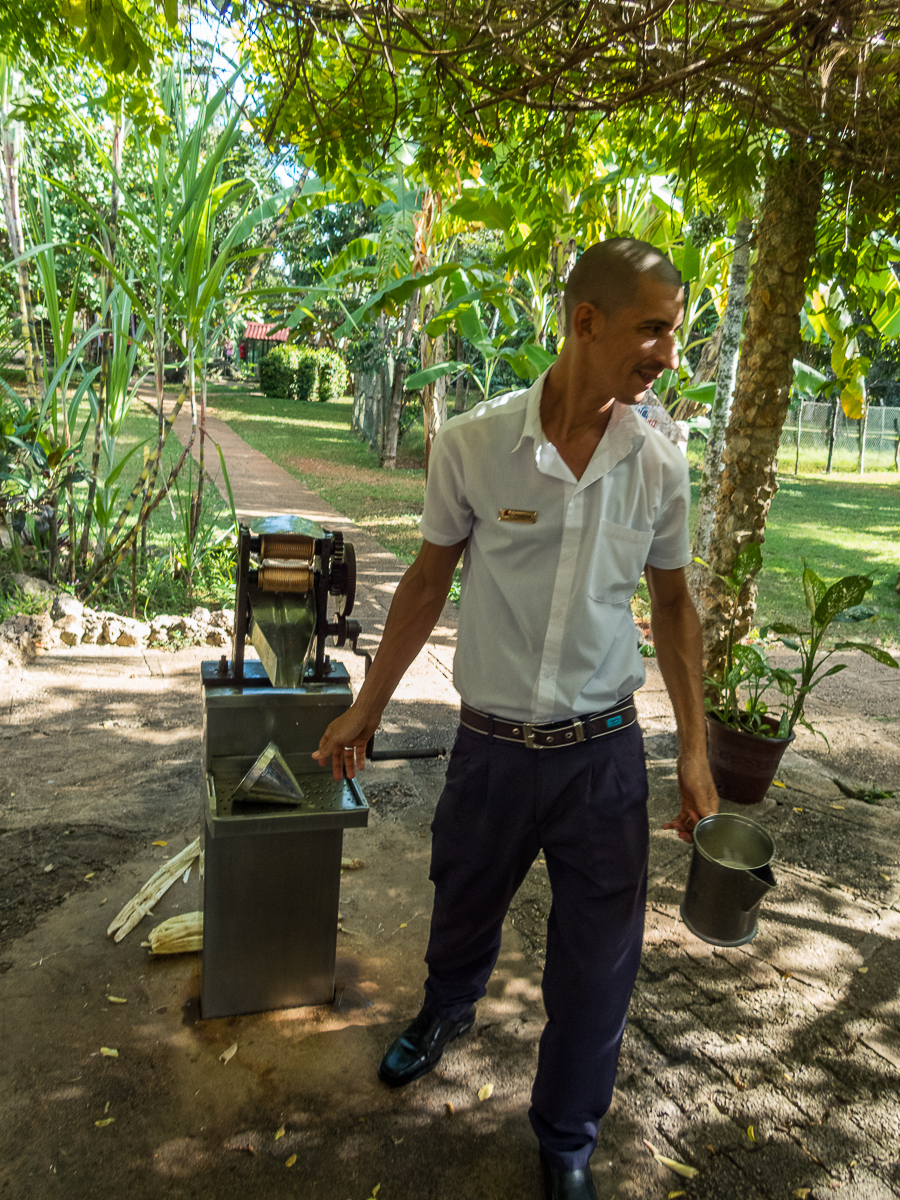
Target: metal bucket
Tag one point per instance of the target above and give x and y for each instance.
(729, 877)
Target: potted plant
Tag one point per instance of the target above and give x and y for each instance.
(747, 737)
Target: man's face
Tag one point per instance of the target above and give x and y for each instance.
(633, 346)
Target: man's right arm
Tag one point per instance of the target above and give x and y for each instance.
(415, 608)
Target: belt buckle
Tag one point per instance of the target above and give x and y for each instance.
(528, 735)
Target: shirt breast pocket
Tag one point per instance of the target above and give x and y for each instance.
(620, 554)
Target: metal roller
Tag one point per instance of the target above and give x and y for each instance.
(287, 547)
(273, 578)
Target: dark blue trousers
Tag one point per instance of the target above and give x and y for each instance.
(585, 806)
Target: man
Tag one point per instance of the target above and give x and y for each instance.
(559, 496)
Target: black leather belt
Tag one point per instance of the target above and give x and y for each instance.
(548, 736)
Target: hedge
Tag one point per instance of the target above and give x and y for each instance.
(301, 373)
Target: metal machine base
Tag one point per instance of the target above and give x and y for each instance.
(272, 871)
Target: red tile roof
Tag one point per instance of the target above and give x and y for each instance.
(256, 331)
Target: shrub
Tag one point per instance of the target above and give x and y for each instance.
(332, 375)
(301, 373)
(277, 370)
(306, 382)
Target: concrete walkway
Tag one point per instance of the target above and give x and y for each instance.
(772, 1069)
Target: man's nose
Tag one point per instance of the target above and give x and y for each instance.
(667, 349)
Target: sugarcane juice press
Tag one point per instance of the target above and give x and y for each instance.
(273, 818)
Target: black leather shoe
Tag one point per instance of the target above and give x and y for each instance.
(418, 1049)
(567, 1185)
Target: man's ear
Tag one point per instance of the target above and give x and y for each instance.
(587, 322)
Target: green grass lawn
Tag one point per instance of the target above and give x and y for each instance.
(839, 524)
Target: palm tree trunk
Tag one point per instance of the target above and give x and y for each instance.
(786, 236)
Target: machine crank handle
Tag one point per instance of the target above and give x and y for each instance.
(374, 755)
(348, 631)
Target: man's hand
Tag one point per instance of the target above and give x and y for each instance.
(345, 741)
(698, 795)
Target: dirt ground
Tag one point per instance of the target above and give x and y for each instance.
(769, 1068)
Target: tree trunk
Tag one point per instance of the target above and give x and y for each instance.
(459, 402)
(785, 243)
(562, 260)
(396, 393)
(707, 369)
(434, 395)
(729, 352)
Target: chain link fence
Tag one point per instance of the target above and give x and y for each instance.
(818, 436)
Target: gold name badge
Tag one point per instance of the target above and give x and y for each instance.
(522, 515)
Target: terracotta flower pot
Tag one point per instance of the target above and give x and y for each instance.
(743, 765)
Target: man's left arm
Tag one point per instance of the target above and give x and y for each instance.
(679, 650)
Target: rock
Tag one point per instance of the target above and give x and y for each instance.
(111, 631)
(32, 586)
(65, 605)
(93, 627)
(223, 618)
(201, 616)
(186, 627)
(217, 637)
(134, 633)
(71, 630)
(20, 638)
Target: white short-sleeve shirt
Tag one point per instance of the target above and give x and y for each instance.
(545, 625)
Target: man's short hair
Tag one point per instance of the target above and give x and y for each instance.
(607, 275)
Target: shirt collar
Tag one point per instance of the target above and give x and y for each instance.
(532, 426)
(624, 435)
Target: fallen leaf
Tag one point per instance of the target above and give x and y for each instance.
(788, 1076)
(404, 925)
(801, 1193)
(778, 783)
(798, 810)
(711, 1149)
(485, 1093)
(90, 874)
(396, 1140)
(279, 1133)
(678, 1167)
(105, 1121)
(448, 1108)
(862, 970)
(228, 1055)
(740, 1037)
(48, 868)
(103, 901)
(159, 843)
(839, 807)
(750, 1134)
(108, 1052)
(116, 1000)
(883, 876)
(352, 864)
(289, 1162)
(673, 1195)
